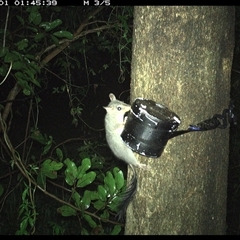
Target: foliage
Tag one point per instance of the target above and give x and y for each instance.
(41, 48)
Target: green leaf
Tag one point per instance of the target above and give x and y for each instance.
(77, 199)
(29, 57)
(25, 194)
(49, 168)
(39, 36)
(102, 192)
(22, 80)
(21, 76)
(114, 204)
(10, 57)
(20, 19)
(34, 17)
(21, 232)
(33, 66)
(116, 230)
(94, 195)
(41, 179)
(63, 34)
(26, 91)
(84, 231)
(31, 221)
(86, 199)
(105, 215)
(52, 165)
(90, 221)
(18, 65)
(32, 29)
(86, 179)
(67, 211)
(35, 82)
(99, 205)
(55, 40)
(38, 136)
(70, 172)
(59, 154)
(48, 26)
(23, 225)
(22, 44)
(29, 74)
(3, 71)
(85, 165)
(119, 178)
(48, 145)
(110, 182)
(3, 51)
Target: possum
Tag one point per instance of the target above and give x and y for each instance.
(114, 124)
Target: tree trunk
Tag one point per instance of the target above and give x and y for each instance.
(182, 59)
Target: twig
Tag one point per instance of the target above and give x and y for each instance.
(10, 67)
(5, 29)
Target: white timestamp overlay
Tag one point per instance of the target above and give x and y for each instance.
(51, 2)
(28, 3)
(96, 2)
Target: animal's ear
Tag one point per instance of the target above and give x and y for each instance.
(112, 97)
(107, 108)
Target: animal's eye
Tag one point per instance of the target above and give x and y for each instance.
(119, 108)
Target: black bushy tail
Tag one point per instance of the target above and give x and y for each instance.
(127, 196)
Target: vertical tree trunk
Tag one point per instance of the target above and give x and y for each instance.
(182, 58)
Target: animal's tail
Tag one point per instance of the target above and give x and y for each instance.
(127, 196)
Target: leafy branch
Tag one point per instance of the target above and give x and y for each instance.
(59, 47)
(31, 181)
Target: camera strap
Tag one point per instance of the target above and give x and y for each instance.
(217, 121)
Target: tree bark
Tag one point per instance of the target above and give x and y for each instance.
(182, 58)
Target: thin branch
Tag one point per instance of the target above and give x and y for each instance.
(10, 67)
(66, 43)
(5, 29)
(67, 40)
(11, 96)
